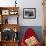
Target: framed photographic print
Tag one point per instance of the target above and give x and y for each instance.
(29, 13)
(5, 12)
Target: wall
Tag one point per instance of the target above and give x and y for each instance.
(39, 13)
(27, 4)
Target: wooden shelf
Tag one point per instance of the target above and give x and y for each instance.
(4, 13)
(9, 43)
(11, 26)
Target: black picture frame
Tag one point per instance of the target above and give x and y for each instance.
(29, 13)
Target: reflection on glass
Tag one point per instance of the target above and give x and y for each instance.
(9, 34)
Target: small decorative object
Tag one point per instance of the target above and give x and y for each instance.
(15, 3)
(6, 21)
(15, 34)
(29, 13)
(13, 12)
(15, 30)
(0, 12)
(5, 12)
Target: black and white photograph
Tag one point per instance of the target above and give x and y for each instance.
(29, 13)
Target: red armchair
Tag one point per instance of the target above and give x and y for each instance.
(30, 34)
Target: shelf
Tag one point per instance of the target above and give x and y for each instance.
(11, 41)
(10, 26)
(4, 8)
(9, 10)
(7, 16)
(10, 19)
(6, 12)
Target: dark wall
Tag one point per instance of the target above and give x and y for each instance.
(37, 29)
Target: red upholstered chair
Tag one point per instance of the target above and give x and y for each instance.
(29, 33)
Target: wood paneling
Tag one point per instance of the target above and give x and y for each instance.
(44, 6)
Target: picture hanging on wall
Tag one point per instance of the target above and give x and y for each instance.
(29, 13)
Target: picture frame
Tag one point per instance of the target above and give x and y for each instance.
(29, 13)
(5, 12)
